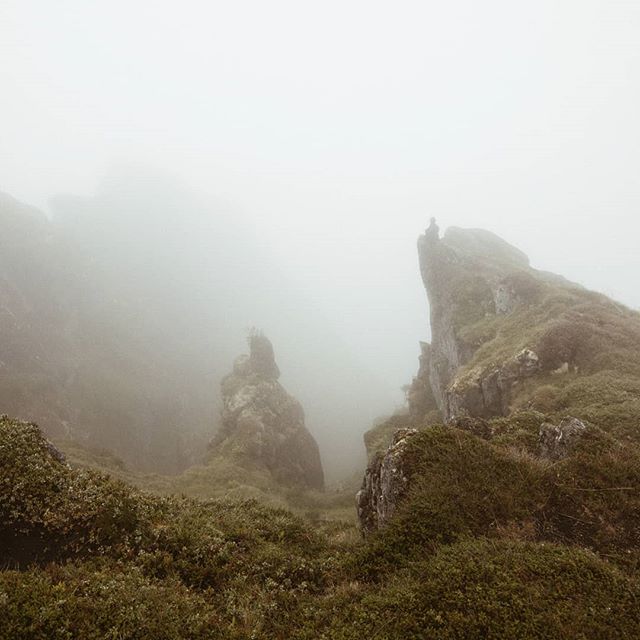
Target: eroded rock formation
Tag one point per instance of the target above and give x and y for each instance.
(513, 352)
(262, 424)
(471, 275)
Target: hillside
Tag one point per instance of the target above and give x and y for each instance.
(503, 503)
(508, 338)
(121, 313)
(87, 556)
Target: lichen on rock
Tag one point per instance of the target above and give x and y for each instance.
(262, 424)
(385, 483)
(557, 441)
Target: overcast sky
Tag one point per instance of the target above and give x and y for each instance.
(339, 128)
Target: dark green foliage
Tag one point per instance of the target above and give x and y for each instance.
(80, 601)
(607, 398)
(478, 589)
(464, 485)
(471, 552)
(49, 511)
(520, 431)
(595, 498)
(460, 485)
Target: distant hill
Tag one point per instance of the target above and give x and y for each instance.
(121, 314)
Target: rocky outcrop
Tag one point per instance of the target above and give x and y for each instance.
(385, 483)
(557, 441)
(489, 393)
(513, 350)
(262, 424)
(468, 275)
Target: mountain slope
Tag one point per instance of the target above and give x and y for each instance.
(524, 419)
(120, 315)
(507, 337)
(504, 521)
(86, 556)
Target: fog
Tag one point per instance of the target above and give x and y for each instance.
(315, 141)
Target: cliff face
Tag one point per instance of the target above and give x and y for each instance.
(469, 275)
(506, 336)
(263, 425)
(519, 357)
(37, 356)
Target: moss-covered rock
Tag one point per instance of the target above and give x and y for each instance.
(488, 307)
(491, 485)
(262, 425)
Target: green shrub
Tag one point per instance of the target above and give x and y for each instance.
(478, 589)
(470, 553)
(460, 485)
(49, 511)
(101, 603)
(594, 498)
(464, 485)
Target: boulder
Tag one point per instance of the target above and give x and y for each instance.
(557, 441)
(385, 483)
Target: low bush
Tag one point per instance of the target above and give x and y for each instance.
(478, 589)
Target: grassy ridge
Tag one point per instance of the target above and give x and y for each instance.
(479, 549)
(589, 350)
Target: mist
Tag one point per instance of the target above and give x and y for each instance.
(272, 165)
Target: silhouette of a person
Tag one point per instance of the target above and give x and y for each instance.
(433, 231)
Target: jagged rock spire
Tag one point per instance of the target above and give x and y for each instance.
(262, 425)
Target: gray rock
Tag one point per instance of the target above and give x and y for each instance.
(557, 441)
(505, 298)
(489, 395)
(385, 483)
(471, 271)
(420, 396)
(263, 425)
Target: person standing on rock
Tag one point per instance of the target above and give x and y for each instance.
(433, 230)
